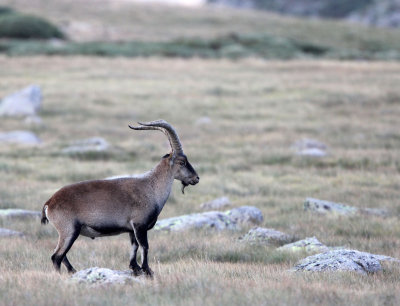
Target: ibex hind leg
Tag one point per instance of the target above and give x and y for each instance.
(68, 265)
(65, 241)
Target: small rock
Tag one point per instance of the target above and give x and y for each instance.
(4, 232)
(343, 260)
(266, 236)
(218, 203)
(326, 207)
(14, 213)
(308, 245)
(103, 276)
(33, 120)
(94, 144)
(19, 137)
(245, 215)
(310, 147)
(231, 219)
(22, 103)
(203, 121)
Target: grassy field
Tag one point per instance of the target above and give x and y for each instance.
(258, 109)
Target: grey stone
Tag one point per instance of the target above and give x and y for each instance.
(94, 144)
(218, 203)
(326, 207)
(266, 236)
(34, 121)
(22, 103)
(19, 137)
(203, 121)
(4, 232)
(343, 260)
(379, 212)
(103, 276)
(15, 213)
(310, 147)
(308, 245)
(232, 220)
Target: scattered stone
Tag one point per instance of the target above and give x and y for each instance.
(308, 245)
(4, 232)
(266, 236)
(375, 212)
(19, 137)
(103, 276)
(15, 213)
(343, 260)
(310, 147)
(326, 207)
(232, 219)
(218, 203)
(203, 121)
(94, 144)
(22, 103)
(33, 120)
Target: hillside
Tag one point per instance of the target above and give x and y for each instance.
(384, 13)
(134, 29)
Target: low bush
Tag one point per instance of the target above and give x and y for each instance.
(15, 25)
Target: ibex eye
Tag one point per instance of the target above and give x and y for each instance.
(182, 163)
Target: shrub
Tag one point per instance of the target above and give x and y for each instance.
(14, 25)
(5, 10)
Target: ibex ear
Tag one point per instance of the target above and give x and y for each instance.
(171, 157)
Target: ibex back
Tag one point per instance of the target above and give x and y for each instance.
(126, 205)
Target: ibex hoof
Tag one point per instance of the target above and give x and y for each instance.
(136, 270)
(147, 271)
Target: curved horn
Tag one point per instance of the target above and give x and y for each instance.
(167, 129)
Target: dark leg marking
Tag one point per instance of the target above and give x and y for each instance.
(70, 268)
(141, 237)
(64, 244)
(133, 263)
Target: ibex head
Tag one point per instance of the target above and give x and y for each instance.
(181, 168)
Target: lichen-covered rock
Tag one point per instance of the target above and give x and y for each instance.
(94, 144)
(232, 219)
(4, 232)
(103, 276)
(19, 137)
(343, 260)
(326, 207)
(22, 103)
(15, 213)
(267, 236)
(218, 203)
(308, 245)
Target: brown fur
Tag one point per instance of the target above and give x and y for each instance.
(111, 207)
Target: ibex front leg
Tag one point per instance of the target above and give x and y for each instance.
(141, 237)
(133, 263)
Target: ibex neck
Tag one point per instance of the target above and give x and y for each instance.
(162, 180)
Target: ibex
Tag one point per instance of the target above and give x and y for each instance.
(111, 207)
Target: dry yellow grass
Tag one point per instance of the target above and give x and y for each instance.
(258, 109)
